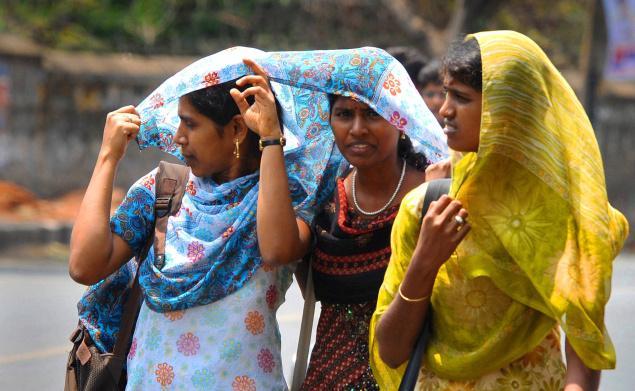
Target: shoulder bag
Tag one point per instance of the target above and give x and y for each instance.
(87, 368)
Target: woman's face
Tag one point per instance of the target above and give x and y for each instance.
(207, 147)
(364, 137)
(461, 113)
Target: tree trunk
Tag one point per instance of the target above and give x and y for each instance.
(466, 17)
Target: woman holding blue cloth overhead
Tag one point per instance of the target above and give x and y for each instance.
(384, 130)
(208, 318)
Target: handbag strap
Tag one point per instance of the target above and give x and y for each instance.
(170, 187)
(436, 188)
(304, 341)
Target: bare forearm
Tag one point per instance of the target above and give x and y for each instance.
(91, 239)
(281, 238)
(277, 228)
(400, 326)
(579, 376)
(438, 237)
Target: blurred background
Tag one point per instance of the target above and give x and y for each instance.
(65, 64)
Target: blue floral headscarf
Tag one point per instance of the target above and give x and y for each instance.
(301, 82)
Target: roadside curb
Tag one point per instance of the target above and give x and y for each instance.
(19, 234)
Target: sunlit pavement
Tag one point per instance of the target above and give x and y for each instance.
(37, 313)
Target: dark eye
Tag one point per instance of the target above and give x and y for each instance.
(188, 125)
(461, 98)
(343, 113)
(372, 114)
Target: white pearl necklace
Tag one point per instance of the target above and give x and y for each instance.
(392, 198)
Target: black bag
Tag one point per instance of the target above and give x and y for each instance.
(89, 369)
(436, 188)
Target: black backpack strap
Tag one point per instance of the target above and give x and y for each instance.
(436, 188)
(171, 180)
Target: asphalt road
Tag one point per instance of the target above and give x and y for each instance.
(37, 313)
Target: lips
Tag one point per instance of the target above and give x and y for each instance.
(359, 148)
(450, 128)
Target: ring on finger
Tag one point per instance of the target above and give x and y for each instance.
(459, 220)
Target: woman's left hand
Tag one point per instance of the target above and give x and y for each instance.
(261, 116)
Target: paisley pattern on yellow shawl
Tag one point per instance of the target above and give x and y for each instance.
(543, 233)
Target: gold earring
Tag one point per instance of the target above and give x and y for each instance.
(403, 135)
(237, 149)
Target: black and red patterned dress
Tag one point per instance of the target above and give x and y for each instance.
(350, 259)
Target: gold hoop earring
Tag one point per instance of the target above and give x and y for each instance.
(237, 149)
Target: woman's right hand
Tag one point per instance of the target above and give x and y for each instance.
(122, 126)
(441, 232)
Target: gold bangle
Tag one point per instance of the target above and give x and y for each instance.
(409, 300)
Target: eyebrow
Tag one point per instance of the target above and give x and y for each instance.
(352, 108)
(455, 90)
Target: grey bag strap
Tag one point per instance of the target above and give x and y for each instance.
(436, 188)
(170, 186)
(304, 341)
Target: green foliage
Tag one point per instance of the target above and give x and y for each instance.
(557, 26)
(201, 26)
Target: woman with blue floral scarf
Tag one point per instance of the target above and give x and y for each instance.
(208, 317)
(375, 114)
(208, 320)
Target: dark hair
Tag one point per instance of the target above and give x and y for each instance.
(411, 59)
(405, 149)
(463, 62)
(216, 103)
(429, 74)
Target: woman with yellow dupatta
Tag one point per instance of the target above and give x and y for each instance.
(542, 236)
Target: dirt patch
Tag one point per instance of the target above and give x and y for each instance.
(18, 204)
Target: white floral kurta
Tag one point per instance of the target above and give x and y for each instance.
(232, 344)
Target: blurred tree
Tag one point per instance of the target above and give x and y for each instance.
(437, 22)
(202, 26)
(557, 26)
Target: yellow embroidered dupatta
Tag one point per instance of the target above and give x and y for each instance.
(543, 233)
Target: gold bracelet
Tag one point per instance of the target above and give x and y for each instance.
(409, 300)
